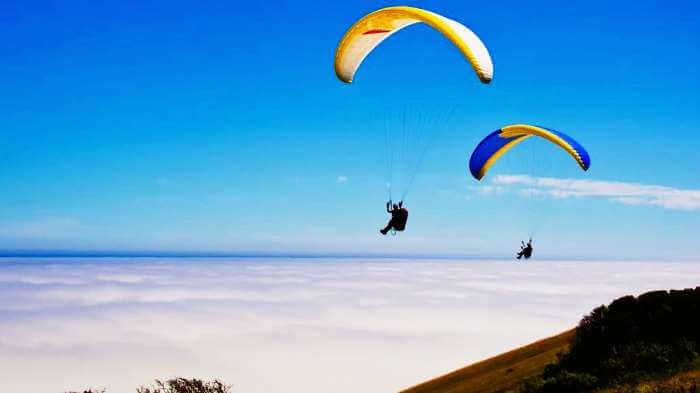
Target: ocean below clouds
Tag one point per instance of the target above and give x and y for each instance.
(313, 325)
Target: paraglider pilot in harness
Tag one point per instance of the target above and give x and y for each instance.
(399, 216)
(525, 250)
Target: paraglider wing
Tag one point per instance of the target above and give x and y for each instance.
(377, 26)
(500, 141)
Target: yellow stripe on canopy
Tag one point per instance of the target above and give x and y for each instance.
(524, 129)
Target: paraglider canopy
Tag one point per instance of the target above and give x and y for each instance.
(372, 29)
(493, 146)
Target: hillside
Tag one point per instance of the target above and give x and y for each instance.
(499, 373)
(646, 343)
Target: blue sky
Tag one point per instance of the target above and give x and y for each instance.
(221, 126)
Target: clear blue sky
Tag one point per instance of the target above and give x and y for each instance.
(167, 125)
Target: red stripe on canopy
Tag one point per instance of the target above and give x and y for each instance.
(376, 31)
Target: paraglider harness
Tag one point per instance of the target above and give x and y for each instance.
(398, 216)
(525, 249)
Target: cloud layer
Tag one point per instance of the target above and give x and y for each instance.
(280, 325)
(626, 193)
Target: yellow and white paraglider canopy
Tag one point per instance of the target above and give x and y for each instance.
(377, 26)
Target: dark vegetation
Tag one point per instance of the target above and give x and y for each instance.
(178, 385)
(683, 383)
(630, 340)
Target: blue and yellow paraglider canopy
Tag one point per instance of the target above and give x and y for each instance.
(491, 148)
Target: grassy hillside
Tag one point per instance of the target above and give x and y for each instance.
(500, 373)
(643, 344)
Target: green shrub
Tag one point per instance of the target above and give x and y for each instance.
(656, 332)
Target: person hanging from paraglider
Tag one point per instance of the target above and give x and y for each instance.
(525, 249)
(399, 216)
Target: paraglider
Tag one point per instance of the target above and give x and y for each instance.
(399, 216)
(497, 143)
(360, 40)
(373, 28)
(525, 250)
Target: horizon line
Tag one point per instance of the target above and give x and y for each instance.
(106, 253)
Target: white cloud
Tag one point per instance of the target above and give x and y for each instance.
(620, 192)
(341, 179)
(274, 325)
(488, 189)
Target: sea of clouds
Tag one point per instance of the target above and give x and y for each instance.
(289, 325)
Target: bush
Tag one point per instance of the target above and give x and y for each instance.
(656, 332)
(183, 385)
(562, 382)
(89, 391)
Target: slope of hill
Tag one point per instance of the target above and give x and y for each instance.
(647, 343)
(499, 373)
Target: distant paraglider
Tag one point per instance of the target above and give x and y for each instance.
(525, 250)
(497, 143)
